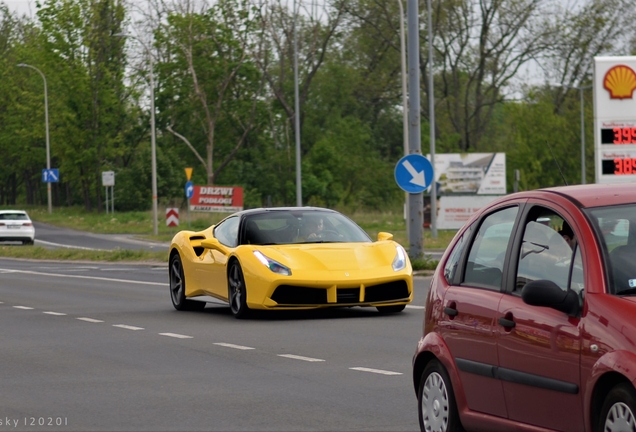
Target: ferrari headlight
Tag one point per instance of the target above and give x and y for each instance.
(274, 266)
(399, 262)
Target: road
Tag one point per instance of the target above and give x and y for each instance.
(99, 348)
(50, 236)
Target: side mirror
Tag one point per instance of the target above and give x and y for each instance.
(547, 293)
(384, 236)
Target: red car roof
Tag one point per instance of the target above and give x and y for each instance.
(592, 195)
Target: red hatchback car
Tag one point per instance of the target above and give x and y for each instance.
(530, 321)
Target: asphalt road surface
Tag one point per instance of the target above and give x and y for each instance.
(99, 347)
(50, 236)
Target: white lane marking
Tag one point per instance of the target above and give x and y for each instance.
(124, 326)
(415, 307)
(67, 246)
(377, 371)
(175, 335)
(90, 320)
(295, 357)
(228, 345)
(1, 302)
(23, 307)
(84, 277)
(54, 313)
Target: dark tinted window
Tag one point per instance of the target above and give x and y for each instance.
(13, 216)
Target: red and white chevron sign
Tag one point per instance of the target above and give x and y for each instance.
(172, 216)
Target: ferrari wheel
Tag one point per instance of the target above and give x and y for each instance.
(390, 309)
(619, 410)
(177, 287)
(237, 293)
(437, 408)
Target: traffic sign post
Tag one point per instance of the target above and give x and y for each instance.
(172, 216)
(51, 175)
(413, 173)
(189, 191)
(108, 180)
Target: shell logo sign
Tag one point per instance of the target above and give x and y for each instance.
(620, 82)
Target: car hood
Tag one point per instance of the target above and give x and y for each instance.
(333, 256)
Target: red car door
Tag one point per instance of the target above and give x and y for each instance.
(539, 347)
(470, 308)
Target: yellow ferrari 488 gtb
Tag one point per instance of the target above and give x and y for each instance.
(288, 258)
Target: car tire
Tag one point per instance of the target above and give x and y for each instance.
(619, 409)
(177, 287)
(436, 401)
(390, 309)
(237, 292)
(28, 242)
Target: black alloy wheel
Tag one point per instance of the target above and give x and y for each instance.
(177, 287)
(237, 292)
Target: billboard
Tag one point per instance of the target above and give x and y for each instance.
(227, 199)
(615, 119)
(470, 173)
(454, 211)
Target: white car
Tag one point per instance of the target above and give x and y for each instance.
(15, 225)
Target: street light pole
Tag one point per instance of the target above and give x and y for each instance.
(153, 137)
(582, 133)
(299, 190)
(405, 108)
(48, 144)
(431, 110)
(580, 89)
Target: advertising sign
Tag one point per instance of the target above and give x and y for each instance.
(470, 173)
(454, 211)
(615, 119)
(217, 199)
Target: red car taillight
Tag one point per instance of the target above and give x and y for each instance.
(27, 224)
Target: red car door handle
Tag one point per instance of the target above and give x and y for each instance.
(506, 323)
(450, 311)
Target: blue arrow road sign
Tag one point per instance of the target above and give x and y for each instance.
(50, 175)
(414, 173)
(189, 189)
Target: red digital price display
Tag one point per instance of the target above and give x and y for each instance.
(619, 166)
(618, 135)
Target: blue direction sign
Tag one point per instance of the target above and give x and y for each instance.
(414, 173)
(50, 175)
(189, 189)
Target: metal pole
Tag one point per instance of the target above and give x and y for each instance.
(582, 139)
(431, 109)
(106, 192)
(405, 108)
(416, 201)
(48, 144)
(153, 147)
(299, 190)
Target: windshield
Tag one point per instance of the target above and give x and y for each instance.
(616, 227)
(301, 226)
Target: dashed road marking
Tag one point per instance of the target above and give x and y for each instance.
(175, 335)
(377, 371)
(127, 327)
(295, 357)
(415, 307)
(90, 320)
(23, 307)
(228, 345)
(54, 313)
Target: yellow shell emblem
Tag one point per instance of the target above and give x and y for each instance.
(620, 82)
